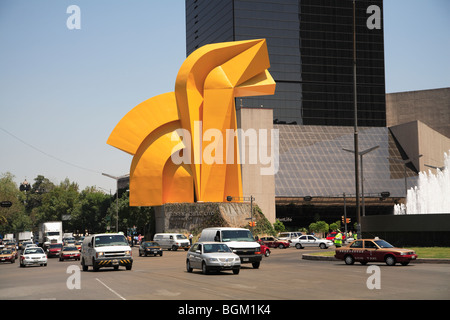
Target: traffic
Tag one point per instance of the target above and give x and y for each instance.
(217, 249)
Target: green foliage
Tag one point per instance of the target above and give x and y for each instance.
(279, 226)
(263, 226)
(319, 226)
(89, 211)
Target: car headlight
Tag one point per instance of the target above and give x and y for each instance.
(127, 253)
(100, 254)
(213, 259)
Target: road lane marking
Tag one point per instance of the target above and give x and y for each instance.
(110, 289)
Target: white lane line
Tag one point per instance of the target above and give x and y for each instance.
(110, 289)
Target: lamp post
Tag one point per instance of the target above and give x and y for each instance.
(404, 167)
(362, 174)
(117, 195)
(355, 107)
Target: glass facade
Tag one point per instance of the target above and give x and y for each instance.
(313, 162)
(310, 44)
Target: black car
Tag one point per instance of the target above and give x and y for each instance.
(150, 247)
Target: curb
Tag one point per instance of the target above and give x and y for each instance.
(420, 260)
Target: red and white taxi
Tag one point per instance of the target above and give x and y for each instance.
(374, 250)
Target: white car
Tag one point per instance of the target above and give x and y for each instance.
(212, 256)
(33, 256)
(310, 241)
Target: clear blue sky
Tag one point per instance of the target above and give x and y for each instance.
(62, 91)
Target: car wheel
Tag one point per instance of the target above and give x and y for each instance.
(298, 246)
(188, 266)
(236, 271)
(94, 265)
(267, 253)
(405, 263)
(160, 254)
(128, 267)
(255, 265)
(85, 267)
(204, 268)
(322, 246)
(390, 260)
(349, 260)
(280, 246)
(174, 248)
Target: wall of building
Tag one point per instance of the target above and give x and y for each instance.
(261, 187)
(431, 107)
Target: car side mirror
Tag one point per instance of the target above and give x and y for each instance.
(90, 245)
(198, 251)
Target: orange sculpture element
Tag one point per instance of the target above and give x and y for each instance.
(203, 106)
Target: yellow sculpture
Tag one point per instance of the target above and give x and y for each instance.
(194, 124)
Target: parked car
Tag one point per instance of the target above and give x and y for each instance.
(7, 255)
(273, 242)
(69, 252)
(33, 256)
(54, 249)
(209, 256)
(150, 247)
(311, 241)
(333, 234)
(374, 250)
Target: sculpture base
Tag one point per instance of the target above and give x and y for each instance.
(194, 217)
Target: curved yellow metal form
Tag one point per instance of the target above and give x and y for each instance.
(203, 106)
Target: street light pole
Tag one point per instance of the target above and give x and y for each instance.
(358, 218)
(362, 174)
(117, 195)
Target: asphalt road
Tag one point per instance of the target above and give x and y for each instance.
(282, 276)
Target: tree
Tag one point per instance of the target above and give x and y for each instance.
(14, 218)
(319, 227)
(279, 226)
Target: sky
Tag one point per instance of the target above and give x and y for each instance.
(62, 90)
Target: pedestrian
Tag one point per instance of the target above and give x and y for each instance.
(190, 238)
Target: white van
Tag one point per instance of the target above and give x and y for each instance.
(106, 250)
(172, 241)
(240, 240)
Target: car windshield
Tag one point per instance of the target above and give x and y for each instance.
(6, 252)
(110, 240)
(215, 247)
(56, 246)
(33, 250)
(181, 236)
(237, 235)
(151, 244)
(383, 244)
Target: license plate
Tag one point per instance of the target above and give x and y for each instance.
(245, 259)
(115, 262)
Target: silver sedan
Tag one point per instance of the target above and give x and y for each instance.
(209, 256)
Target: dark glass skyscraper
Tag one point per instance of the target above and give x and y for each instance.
(310, 45)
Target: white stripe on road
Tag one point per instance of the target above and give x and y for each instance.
(110, 289)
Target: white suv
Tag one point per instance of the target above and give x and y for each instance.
(106, 250)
